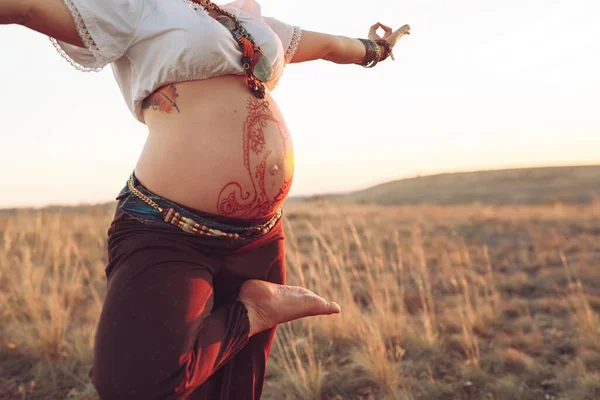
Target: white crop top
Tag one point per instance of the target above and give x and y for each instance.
(150, 43)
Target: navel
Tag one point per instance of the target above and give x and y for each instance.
(274, 170)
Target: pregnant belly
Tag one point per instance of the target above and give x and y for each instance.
(226, 154)
(267, 158)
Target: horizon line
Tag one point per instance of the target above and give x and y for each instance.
(329, 194)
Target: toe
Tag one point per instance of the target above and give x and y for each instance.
(320, 306)
(334, 307)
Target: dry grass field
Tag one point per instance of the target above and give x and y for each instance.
(438, 302)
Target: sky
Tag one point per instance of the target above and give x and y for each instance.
(477, 85)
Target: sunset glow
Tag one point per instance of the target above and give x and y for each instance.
(477, 85)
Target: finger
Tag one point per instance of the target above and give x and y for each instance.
(378, 25)
(373, 30)
(387, 31)
(386, 28)
(373, 34)
(401, 32)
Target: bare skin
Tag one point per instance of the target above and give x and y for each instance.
(269, 304)
(215, 132)
(193, 127)
(215, 147)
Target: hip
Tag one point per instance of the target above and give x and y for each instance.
(146, 224)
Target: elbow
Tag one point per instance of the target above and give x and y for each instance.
(333, 48)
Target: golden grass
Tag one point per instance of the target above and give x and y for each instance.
(461, 302)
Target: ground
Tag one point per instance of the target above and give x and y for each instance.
(438, 302)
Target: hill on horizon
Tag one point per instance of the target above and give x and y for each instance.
(576, 184)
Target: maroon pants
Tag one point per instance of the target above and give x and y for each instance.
(170, 326)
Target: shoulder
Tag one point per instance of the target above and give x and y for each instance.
(249, 6)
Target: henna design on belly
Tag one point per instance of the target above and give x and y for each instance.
(255, 202)
(163, 99)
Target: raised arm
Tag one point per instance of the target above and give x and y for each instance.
(341, 49)
(50, 17)
(322, 46)
(13, 11)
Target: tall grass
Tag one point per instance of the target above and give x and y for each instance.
(437, 302)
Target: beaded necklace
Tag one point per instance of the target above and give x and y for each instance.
(255, 63)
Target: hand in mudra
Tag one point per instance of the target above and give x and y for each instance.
(389, 36)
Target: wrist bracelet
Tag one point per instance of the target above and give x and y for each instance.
(378, 50)
(387, 49)
(373, 53)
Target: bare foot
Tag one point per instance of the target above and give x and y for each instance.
(269, 304)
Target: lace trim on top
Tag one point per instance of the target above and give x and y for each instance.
(293, 47)
(86, 38)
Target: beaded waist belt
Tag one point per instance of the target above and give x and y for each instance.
(171, 216)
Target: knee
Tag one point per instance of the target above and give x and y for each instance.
(135, 381)
(156, 372)
(136, 372)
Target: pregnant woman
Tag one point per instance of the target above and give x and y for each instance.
(196, 270)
